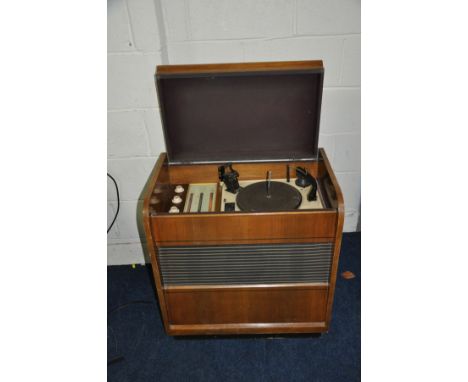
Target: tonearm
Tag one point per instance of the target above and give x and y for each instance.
(305, 179)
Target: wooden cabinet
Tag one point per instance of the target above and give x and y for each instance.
(240, 272)
(264, 307)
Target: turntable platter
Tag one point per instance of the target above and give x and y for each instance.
(281, 197)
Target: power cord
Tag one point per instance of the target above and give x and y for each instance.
(120, 358)
(113, 310)
(118, 201)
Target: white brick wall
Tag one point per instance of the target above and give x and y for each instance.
(145, 33)
(240, 19)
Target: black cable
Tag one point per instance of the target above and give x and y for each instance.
(118, 201)
(113, 310)
(120, 358)
(115, 360)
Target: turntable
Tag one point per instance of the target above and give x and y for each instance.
(272, 195)
(243, 215)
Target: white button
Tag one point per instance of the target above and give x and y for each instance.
(174, 210)
(176, 199)
(179, 189)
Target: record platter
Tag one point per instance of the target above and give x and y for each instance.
(268, 196)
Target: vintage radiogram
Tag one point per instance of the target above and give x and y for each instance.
(243, 215)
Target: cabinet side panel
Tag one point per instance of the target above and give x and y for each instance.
(159, 173)
(339, 230)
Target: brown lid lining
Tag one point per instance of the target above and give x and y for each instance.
(220, 115)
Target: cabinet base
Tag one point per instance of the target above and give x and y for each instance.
(226, 329)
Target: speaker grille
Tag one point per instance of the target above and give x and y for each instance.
(246, 264)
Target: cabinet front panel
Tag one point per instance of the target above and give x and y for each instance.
(216, 228)
(289, 304)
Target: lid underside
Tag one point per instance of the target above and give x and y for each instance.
(241, 116)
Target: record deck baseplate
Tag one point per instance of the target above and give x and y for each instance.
(228, 197)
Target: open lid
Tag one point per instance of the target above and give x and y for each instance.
(241, 112)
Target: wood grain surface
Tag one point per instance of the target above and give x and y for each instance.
(268, 304)
(243, 228)
(239, 67)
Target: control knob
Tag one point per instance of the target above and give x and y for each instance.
(176, 199)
